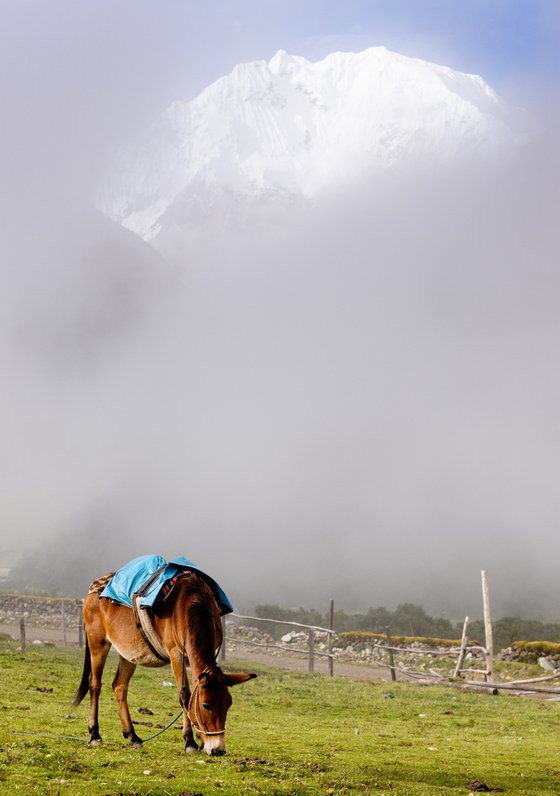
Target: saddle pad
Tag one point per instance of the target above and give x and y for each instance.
(130, 579)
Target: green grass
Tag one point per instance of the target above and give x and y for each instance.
(287, 734)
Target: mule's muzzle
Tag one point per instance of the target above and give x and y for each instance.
(215, 746)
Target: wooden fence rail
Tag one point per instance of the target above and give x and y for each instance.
(388, 647)
(24, 624)
(311, 651)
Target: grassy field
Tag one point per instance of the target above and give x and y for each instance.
(287, 734)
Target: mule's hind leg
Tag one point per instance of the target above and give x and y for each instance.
(179, 667)
(124, 672)
(98, 653)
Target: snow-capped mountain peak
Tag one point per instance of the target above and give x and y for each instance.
(288, 128)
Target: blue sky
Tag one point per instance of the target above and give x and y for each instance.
(84, 64)
(192, 41)
(510, 42)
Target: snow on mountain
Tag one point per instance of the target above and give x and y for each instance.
(282, 131)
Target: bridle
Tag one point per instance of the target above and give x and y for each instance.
(193, 702)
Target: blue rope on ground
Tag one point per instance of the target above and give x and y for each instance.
(64, 737)
(103, 743)
(159, 732)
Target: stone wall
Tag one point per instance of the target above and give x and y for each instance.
(545, 654)
(39, 611)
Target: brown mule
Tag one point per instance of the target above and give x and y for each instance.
(188, 623)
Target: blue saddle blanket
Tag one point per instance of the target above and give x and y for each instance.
(131, 578)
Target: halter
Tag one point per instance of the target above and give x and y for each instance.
(194, 701)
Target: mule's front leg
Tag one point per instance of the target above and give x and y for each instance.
(179, 667)
(125, 670)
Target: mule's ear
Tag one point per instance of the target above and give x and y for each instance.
(235, 679)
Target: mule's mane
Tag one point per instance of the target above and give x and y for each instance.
(202, 614)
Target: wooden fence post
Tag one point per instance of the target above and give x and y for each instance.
(80, 630)
(222, 650)
(463, 649)
(63, 617)
(489, 643)
(330, 641)
(391, 656)
(311, 657)
(22, 632)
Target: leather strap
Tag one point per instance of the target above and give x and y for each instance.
(146, 627)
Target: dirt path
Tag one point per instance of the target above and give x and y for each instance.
(52, 635)
(354, 671)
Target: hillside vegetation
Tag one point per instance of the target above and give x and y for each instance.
(409, 619)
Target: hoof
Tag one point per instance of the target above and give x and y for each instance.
(135, 741)
(191, 748)
(95, 742)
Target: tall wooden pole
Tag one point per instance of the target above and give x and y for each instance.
(489, 643)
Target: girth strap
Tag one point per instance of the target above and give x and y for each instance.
(146, 627)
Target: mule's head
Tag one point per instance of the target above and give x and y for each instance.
(209, 704)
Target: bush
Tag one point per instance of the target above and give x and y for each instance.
(537, 647)
(353, 637)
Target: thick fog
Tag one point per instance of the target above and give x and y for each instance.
(358, 403)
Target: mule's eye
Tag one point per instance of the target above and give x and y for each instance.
(206, 705)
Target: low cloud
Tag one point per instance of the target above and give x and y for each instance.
(360, 403)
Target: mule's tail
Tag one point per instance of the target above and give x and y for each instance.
(83, 688)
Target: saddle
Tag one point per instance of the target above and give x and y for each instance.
(146, 582)
(147, 576)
